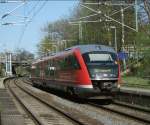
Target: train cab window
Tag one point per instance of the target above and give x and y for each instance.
(99, 63)
(94, 57)
(100, 57)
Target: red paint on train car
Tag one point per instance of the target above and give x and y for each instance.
(82, 74)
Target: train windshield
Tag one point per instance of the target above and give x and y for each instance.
(101, 64)
(98, 57)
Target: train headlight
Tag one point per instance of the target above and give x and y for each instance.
(116, 62)
(118, 86)
(93, 75)
(105, 75)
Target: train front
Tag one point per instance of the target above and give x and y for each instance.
(103, 69)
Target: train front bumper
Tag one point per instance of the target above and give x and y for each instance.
(96, 93)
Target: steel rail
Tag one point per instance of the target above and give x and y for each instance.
(136, 107)
(135, 117)
(34, 118)
(69, 116)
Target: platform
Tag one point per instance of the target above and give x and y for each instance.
(138, 91)
(135, 96)
(9, 114)
(2, 83)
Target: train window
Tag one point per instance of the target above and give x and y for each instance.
(69, 62)
(46, 69)
(51, 68)
(37, 71)
(33, 68)
(73, 62)
(99, 57)
(62, 64)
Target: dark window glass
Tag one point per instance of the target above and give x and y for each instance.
(46, 69)
(37, 71)
(101, 64)
(73, 62)
(49, 68)
(68, 63)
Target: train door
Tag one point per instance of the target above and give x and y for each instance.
(52, 69)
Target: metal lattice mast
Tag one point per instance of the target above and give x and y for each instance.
(136, 15)
(123, 42)
(8, 64)
(80, 31)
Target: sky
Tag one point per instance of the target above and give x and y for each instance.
(36, 14)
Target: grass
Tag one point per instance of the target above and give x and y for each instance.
(138, 82)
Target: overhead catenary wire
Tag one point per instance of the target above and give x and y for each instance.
(25, 26)
(31, 19)
(33, 8)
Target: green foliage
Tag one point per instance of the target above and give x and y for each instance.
(22, 71)
(143, 46)
(143, 37)
(136, 82)
(23, 55)
(45, 45)
(144, 70)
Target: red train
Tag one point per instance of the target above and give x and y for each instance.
(83, 70)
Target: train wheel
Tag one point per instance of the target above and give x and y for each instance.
(108, 101)
(70, 91)
(44, 84)
(34, 84)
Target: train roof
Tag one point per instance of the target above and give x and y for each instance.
(83, 49)
(93, 47)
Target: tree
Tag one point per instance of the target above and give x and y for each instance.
(99, 32)
(23, 55)
(147, 8)
(143, 36)
(45, 45)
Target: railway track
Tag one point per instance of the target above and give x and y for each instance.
(26, 117)
(45, 113)
(129, 111)
(117, 109)
(26, 80)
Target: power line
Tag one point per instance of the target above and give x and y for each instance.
(40, 8)
(31, 19)
(16, 1)
(33, 8)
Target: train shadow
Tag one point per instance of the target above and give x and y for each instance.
(101, 101)
(63, 95)
(75, 99)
